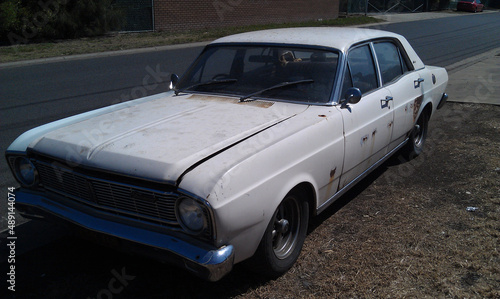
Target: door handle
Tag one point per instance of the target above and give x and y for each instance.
(385, 102)
(417, 82)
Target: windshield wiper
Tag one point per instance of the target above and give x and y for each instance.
(277, 86)
(212, 82)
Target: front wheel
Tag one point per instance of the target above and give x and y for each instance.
(282, 242)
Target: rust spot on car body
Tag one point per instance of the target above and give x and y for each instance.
(332, 174)
(416, 106)
(331, 184)
(261, 104)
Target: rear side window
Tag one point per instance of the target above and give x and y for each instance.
(362, 69)
(389, 60)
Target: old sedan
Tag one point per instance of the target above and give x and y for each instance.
(264, 130)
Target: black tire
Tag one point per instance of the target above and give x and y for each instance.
(282, 242)
(418, 135)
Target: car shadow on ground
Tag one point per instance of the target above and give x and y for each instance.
(71, 267)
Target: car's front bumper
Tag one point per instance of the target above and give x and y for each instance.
(209, 263)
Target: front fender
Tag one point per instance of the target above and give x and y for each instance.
(245, 184)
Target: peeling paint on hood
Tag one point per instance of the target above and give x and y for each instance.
(160, 139)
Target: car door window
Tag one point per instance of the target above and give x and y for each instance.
(389, 61)
(362, 69)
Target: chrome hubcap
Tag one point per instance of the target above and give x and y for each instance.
(419, 134)
(286, 228)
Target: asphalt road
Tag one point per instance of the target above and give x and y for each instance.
(36, 94)
(445, 41)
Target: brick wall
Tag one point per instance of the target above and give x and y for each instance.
(183, 15)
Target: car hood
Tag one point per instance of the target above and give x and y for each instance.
(162, 138)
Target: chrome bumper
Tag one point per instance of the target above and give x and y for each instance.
(443, 100)
(208, 263)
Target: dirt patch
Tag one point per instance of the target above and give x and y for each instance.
(425, 228)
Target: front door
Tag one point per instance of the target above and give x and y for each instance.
(368, 124)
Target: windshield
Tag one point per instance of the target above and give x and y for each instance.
(263, 72)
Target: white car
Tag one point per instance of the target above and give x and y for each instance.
(263, 131)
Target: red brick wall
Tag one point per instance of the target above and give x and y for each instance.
(183, 15)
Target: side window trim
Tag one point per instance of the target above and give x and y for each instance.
(377, 66)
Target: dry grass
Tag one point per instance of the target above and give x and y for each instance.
(116, 42)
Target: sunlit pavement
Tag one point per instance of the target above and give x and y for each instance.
(475, 80)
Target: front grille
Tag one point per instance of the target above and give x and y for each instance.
(64, 182)
(161, 206)
(123, 199)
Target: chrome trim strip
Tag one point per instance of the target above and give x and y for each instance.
(359, 178)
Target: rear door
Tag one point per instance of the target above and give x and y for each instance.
(404, 84)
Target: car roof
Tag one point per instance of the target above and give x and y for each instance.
(332, 37)
(341, 38)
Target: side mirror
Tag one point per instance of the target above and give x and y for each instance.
(352, 96)
(173, 81)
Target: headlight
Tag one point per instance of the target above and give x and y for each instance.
(25, 172)
(190, 215)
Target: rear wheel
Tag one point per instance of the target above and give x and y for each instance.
(285, 234)
(417, 138)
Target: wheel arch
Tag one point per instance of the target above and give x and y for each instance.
(311, 196)
(427, 109)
